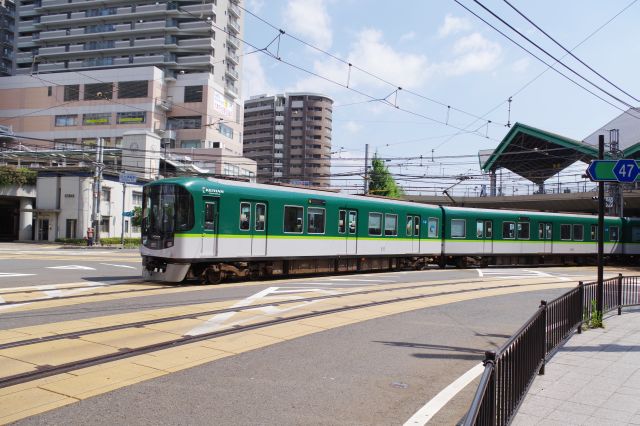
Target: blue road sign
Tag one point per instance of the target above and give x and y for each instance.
(128, 177)
(626, 170)
(128, 214)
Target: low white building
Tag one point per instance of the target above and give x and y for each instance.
(65, 203)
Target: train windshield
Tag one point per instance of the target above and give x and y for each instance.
(167, 209)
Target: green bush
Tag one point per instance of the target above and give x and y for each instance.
(17, 176)
(113, 241)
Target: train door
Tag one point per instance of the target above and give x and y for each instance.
(210, 227)
(413, 232)
(352, 232)
(484, 233)
(259, 231)
(545, 235)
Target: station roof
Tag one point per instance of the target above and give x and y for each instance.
(535, 154)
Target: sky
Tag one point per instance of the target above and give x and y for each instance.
(456, 75)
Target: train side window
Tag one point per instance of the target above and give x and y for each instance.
(245, 216)
(315, 220)
(458, 228)
(613, 233)
(416, 226)
(409, 226)
(390, 225)
(523, 230)
(549, 230)
(353, 220)
(342, 221)
(293, 217)
(508, 230)
(209, 216)
(432, 231)
(480, 229)
(594, 232)
(375, 223)
(565, 232)
(261, 216)
(635, 234)
(578, 232)
(488, 229)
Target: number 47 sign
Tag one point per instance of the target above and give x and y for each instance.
(625, 171)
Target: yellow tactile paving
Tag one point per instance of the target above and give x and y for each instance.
(176, 328)
(18, 405)
(129, 338)
(289, 330)
(57, 352)
(101, 381)
(11, 367)
(180, 358)
(12, 336)
(239, 343)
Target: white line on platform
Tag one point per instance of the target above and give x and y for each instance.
(431, 408)
(361, 280)
(118, 266)
(480, 272)
(10, 274)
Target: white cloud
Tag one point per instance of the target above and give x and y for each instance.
(255, 5)
(453, 25)
(521, 65)
(408, 36)
(472, 53)
(254, 79)
(309, 19)
(352, 127)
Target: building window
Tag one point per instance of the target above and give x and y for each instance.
(136, 198)
(71, 92)
(226, 130)
(65, 144)
(70, 231)
(315, 220)
(293, 217)
(133, 89)
(104, 224)
(190, 143)
(188, 122)
(49, 90)
(97, 119)
(193, 94)
(106, 194)
(66, 120)
(458, 228)
(375, 223)
(98, 91)
(390, 225)
(137, 117)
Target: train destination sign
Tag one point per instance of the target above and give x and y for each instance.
(625, 171)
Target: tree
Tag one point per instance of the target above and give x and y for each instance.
(136, 220)
(381, 182)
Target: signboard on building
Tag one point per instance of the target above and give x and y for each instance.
(223, 105)
(128, 178)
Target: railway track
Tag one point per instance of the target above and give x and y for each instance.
(43, 371)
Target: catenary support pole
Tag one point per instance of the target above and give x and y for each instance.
(600, 288)
(366, 169)
(124, 191)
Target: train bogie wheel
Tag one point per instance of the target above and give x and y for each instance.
(212, 276)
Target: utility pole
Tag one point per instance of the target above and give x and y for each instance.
(97, 182)
(600, 285)
(366, 169)
(124, 191)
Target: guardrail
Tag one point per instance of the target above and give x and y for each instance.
(510, 371)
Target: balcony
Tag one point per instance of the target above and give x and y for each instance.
(164, 104)
(233, 58)
(205, 42)
(195, 60)
(234, 9)
(234, 26)
(233, 41)
(231, 73)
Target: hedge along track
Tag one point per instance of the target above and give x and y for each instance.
(43, 371)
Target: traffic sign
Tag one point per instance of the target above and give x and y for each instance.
(626, 171)
(128, 177)
(128, 214)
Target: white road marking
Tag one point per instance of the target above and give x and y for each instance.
(51, 292)
(220, 321)
(118, 266)
(69, 267)
(480, 272)
(10, 274)
(431, 408)
(361, 280)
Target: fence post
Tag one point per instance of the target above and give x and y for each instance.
(619, 294)
(490, 358)
(543, 305)
(581, 295)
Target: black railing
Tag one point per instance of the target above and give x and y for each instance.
(510, 371)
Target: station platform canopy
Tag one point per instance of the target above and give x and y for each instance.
(535, 154)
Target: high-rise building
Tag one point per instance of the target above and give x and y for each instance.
(289, 136)
(7, 36)
(89, 69)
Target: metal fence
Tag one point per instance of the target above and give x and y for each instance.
(510, 370)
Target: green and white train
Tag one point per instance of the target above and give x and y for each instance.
(211, 229)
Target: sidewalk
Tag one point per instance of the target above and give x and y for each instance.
(594, 379)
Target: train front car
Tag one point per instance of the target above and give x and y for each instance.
(168, 217)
